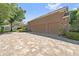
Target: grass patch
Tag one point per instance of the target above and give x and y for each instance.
(7, 31)
(72, 35)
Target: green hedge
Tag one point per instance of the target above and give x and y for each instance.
(72, 35)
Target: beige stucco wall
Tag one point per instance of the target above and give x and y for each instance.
(54, 22)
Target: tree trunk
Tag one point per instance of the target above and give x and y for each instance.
(11, 27)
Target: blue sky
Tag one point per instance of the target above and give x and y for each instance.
(34, 10)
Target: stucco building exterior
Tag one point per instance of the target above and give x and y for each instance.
(54, 22)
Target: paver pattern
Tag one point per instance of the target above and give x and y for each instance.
(27, 44)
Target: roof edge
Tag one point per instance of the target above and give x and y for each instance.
(37, 18)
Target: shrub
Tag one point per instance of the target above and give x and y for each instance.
(19, 30)
(72, 35)
(2, 29)
(22, 28)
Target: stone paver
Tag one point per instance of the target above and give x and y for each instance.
(13, 44)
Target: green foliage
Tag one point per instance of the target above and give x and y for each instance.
(73, 16)
(20, 14)
(10, 13)
(72, 35)
(4, 11)
(22, 28)
(2, 29)
(74, 20)
(4, 14)
(19, 30)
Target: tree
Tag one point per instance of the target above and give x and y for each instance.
(20, 14)
(17, 14)
(77, 20)
(4, 13)
(11, 13)
(73, 16)
(74, 20)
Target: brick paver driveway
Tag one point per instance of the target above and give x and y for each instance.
(32, 44)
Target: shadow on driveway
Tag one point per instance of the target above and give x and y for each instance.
(53, 36)
(1, 33)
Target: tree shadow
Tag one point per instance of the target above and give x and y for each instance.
(57, 37)
(2, 33)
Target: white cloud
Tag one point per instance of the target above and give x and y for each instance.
(74, 9)
(53, 6)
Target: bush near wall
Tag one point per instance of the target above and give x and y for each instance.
(22, 29)
(72, 35)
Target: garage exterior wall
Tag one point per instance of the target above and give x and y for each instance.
(54, 22)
